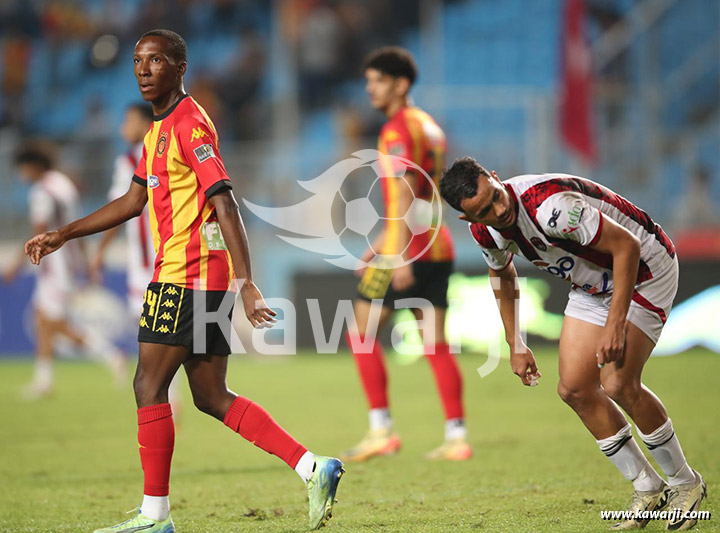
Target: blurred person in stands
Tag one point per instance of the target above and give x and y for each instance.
(696, 209)
(53, 202)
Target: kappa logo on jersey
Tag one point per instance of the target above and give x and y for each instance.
(204, 152)
(161, 144)
(552, 223)
(574, 219)
(197, 133)
(537, 243)
(153, 181)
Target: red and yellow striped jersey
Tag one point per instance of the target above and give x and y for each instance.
(181, 168)
(413, 134)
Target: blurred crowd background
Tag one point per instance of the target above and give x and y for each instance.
(283, 82)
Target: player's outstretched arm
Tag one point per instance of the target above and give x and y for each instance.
(235, 236)
(625, 250)
(522, 360)
(113, 214)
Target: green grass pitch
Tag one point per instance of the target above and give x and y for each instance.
(70, 463)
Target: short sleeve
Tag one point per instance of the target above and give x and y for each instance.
(568, 215)
(395, 143)
(140, 176)
(496, 258)
(41, 208)
(198, 144)
(122, 175)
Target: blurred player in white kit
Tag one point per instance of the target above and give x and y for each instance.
(139, 252)
(53, 202)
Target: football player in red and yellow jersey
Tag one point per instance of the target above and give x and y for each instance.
(201, 244)
(427, 259)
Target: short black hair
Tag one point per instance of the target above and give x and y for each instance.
(143, 109)
(178, 46)
(31, 154)
(460, 181)
(393, 61)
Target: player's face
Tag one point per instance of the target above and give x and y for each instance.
(134, 127)
(157, 73)
(383, 88)
(30, 172)
(491, 206)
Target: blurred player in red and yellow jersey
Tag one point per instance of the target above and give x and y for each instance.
(427, 260)
(201, 245)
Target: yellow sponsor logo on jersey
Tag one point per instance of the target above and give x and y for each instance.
(197, 133)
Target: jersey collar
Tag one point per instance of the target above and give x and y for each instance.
(169, 110)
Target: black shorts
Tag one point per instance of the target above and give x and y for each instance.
(431, 284)
(168, 318)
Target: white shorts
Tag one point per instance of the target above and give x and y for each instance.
(52, 297)
(649, 308)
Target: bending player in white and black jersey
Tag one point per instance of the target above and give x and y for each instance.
(624, 277)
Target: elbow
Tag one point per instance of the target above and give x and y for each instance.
(137, 209)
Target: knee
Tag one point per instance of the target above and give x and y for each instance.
(214, 404)
(624, 392)
(147, 392)
(574, 396)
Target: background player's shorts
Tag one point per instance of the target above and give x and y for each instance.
(168, 318)
(649, 307)
(52, 297)
(431, 284)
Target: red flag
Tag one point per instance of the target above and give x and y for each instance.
(576, 99)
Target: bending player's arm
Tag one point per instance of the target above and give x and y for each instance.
(113, 214)
(235, 236)
(522, 361)
(625, 250)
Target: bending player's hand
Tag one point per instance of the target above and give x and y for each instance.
(41, 245)
(522, 362)
(403, 278)
(611, 345)
(256, 310)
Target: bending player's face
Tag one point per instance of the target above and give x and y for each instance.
(156, 71)
(491, 206)
(383, 88)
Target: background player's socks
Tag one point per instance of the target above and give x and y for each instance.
(43, 375)
(665, 448)
(305, 466)
(380, 418)
(625, 454)
(255, 424)
(155, 507)
(156, 439)
(447, 379)
(371, 367)
(455, 429)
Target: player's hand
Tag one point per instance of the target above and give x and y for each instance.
(403, 278)
(522, 363)
(256, 310)
(611, 346)
(43, 244)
